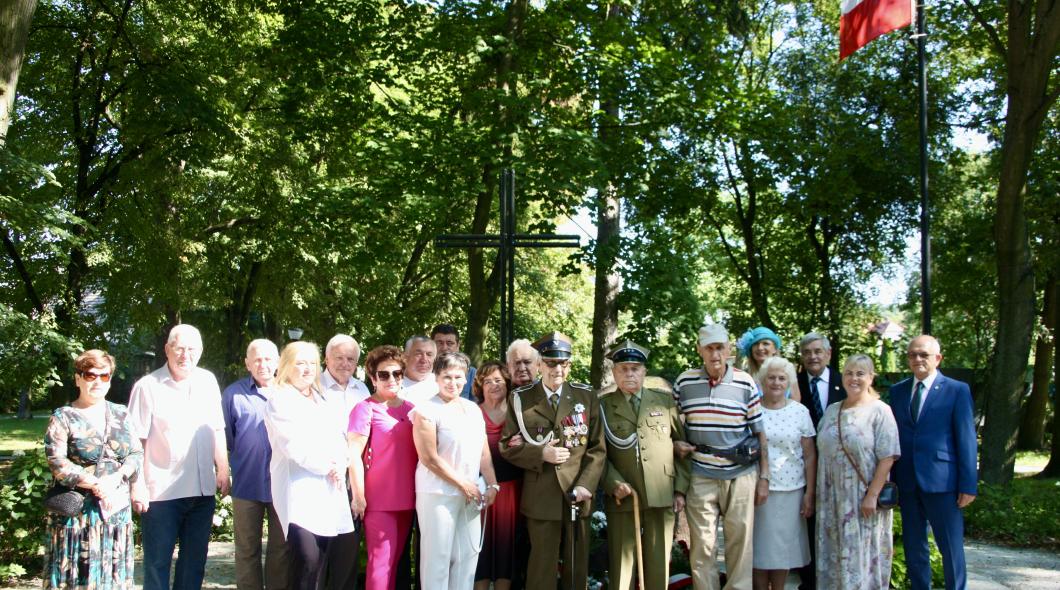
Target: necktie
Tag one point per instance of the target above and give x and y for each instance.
(918, 398)
(815, 398)
(634, 402)
(553, 400)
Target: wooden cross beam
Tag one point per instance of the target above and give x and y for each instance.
(506, 242)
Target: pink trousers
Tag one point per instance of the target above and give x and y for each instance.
(385, 533)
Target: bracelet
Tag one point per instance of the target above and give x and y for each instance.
(494, 486)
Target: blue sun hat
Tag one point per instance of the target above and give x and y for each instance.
(755, 335)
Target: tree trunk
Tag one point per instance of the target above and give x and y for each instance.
(608, 216)
(236, 322)
(485, 289)
(1032, 427)
(15, 18)
(1052, 469)
(1031, 48)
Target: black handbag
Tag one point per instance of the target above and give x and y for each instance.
(66, 501)
(888, 497)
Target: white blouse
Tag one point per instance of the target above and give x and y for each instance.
(307, 435)
(461, 435)
(785, 429)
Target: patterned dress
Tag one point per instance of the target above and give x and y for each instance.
(86, 551)
(853, 552)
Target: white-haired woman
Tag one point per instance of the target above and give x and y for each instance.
(857, 440)
(780, 538)
(450, 436)
(309, 459)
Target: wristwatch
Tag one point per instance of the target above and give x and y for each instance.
(764, 477)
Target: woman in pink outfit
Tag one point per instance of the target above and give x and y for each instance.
(383, 466)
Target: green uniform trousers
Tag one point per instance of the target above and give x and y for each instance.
(657, 525)
(547, 550)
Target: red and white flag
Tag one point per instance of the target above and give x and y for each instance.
(864, 20)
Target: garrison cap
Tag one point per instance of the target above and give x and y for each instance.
(554, 345)
(628, 351)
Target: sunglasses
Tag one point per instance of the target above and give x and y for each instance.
(554, 364)
(386, 375)
(90, 377)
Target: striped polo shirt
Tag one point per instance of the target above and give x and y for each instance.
(719, 416)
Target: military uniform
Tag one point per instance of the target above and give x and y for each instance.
(575, 423)
(640, 453)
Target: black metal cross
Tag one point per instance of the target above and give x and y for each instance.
(506, 242)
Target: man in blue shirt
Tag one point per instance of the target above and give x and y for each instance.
(243, 405)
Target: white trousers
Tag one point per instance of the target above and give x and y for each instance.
(449, 541)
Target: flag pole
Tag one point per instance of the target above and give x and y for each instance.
(925, 236)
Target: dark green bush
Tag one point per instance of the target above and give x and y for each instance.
(23, 524)
(1023, 513)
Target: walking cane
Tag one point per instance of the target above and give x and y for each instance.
(640, 550)
(573, 534)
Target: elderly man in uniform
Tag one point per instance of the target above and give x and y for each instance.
(553, 432)
(640, 427)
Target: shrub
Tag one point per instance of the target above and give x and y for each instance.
(24, 524)
(1022, 513)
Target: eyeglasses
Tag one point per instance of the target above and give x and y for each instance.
(90, 377)
(918, 355)
(554, 364)
(493, 382)
(386, 375)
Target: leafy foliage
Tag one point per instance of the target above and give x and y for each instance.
(24, 484)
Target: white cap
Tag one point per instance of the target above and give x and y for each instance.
(713, 334)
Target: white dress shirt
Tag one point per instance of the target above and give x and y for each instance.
(354, 393)
(417, 392)
(179, 422)
(308, 440)
(822, 388)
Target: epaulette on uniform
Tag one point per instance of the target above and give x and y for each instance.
(524, 387)
(577, 385)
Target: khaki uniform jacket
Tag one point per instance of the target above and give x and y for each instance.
(654, 474)
(545, 486)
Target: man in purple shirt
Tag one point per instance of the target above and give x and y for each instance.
(243, 405)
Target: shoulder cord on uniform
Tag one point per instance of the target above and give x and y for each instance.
(517, 405)
(619, 443)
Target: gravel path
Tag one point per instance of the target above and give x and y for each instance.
(990, 567)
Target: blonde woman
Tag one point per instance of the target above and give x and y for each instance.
(309, 459)
(857, 439)
(780, 538)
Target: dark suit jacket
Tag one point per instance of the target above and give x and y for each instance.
(545, 486)
(939, 450)
(836, 393)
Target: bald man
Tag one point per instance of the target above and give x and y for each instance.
(936, 473)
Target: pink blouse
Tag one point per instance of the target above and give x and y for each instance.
(390, 455)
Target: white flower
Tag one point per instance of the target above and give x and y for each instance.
(217, 520)
(579, 408)
(18, 453)
(226, 500)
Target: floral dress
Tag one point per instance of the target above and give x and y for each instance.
(86, 551)
(853, 552)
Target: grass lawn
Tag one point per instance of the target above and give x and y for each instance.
(21, 435)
